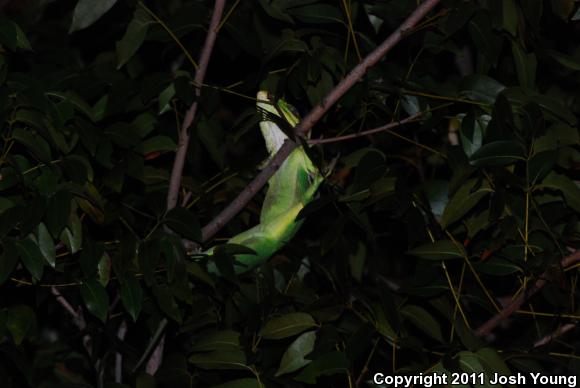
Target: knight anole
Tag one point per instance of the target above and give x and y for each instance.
(292, 187)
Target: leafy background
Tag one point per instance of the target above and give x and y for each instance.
(422, 233)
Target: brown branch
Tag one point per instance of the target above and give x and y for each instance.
(515, 304)
(561, 330)
(180, 155)
(313, 117)
(367, 132)
(78, 318)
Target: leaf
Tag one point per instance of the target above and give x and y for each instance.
(89, 11)
(562, 8)
(472, 131)
(498, 153)
(96, 298)
(183, 222)
(156, 143)
(219, 340)
(8, 260)
(526, 66)
(58, 212)
(104, 269)
(439, 250)
(31, 257)
(317, 13)
(540, 165)
(132, 296)
(46, 244)
(463, 201)
(287, 325)
(493, 361)
(566, 186)
(563, 59)
(480, 88)
(21, 322)
(509, 16)
(424, 321)
(293, 358)
(134, 36)
(326, 365)
(166, 302)
(12, 35)
(220, 359)
(72, 235)
(34, 143)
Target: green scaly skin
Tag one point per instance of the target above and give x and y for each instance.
(292, 187)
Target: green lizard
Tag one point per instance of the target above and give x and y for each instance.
(292, 187)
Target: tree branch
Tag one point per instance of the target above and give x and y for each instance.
(180, 155)
(313, 117)
(511, 308)
(382, 128)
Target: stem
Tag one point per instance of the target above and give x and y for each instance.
(313, 117)
(179, 162)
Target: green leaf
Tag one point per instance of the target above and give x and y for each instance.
(156, 143)
(72, 235)
(58, 212)
(21, 322)
(132, 296)
(562, 8)
(509, 16)
(424, 321)
(220, 359)
(31, 257)
(89, 11)
(287, 325)
(540, 165)
(182, 221)
(492, 361)
(96, 298)
(12, 35)
(90, 256)
(293, 358)
(463, 201)
(104, 269)
(480, 88)
(165, 98)
(326, 365)
(318, 13)
(439, 250)
(526, 66)
(34, 143)
(134, 36)
(219, 340)
(241, 383)
(46, 244)
(566, 186)
(8, 260)
(498, 153)
(166, 302)
(564, 60)
(472, 132)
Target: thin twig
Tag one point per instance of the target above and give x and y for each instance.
(121, 332)
(516, 303)
(382, 128)
(179, 162)
(78, 318)
(151, 345)
(313, 117)
(181, 153)
(561, 330)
